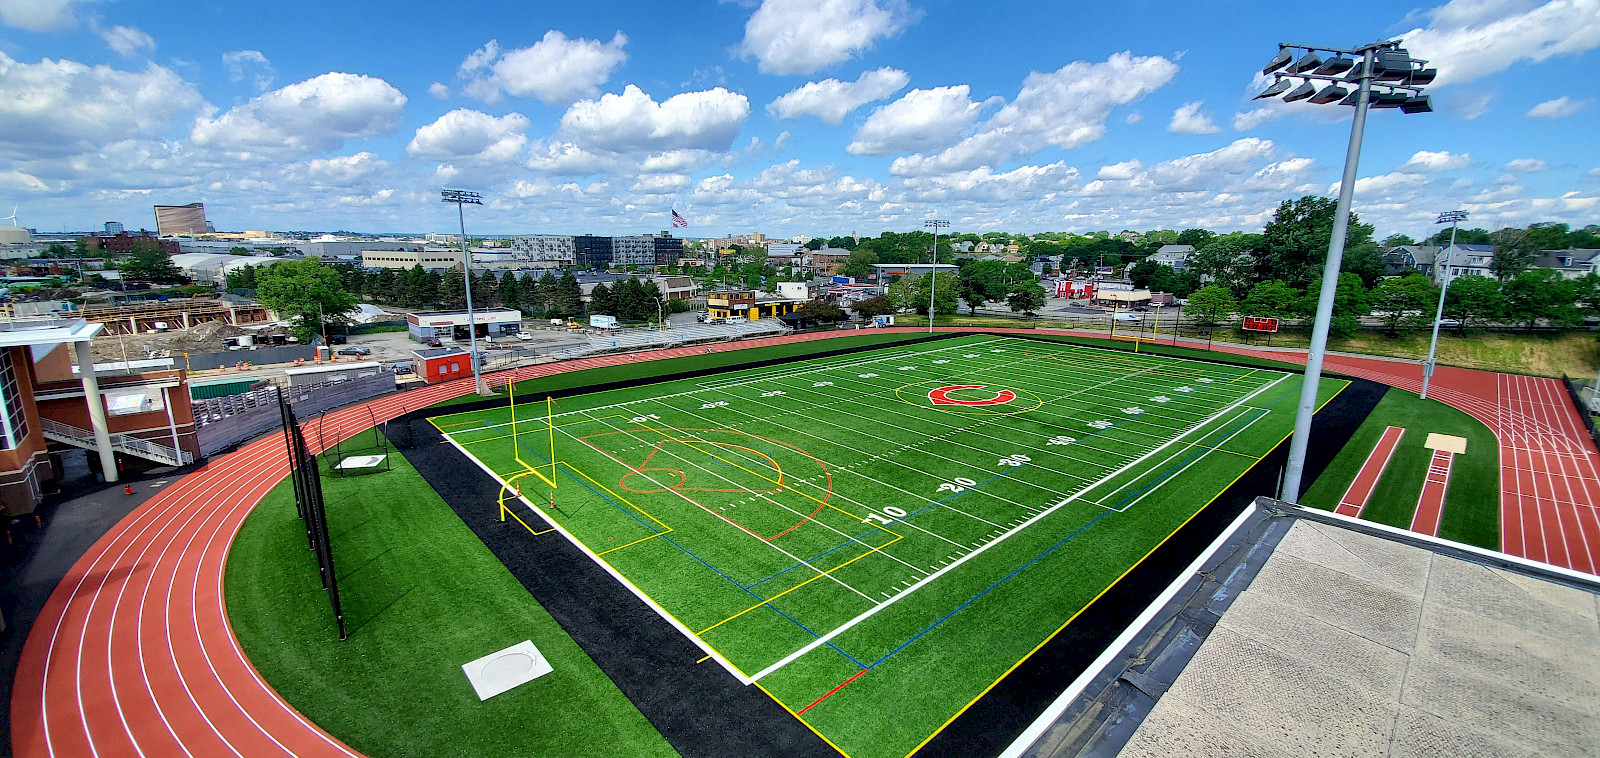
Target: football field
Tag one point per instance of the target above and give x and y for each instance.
(876, 539)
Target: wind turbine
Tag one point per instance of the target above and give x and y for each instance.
(13, 217)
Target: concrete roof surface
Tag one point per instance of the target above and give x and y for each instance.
(1350, 645)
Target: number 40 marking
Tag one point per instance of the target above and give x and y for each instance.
(889, 509)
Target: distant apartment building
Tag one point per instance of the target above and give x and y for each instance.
(638, 250)
(181, 220)
(592, 252)
(122, 243)
(668, 249)
(442, 239)
(545, 248)
(428, 258)
(114, 227)
(337, 248)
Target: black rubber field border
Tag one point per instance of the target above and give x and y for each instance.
(700, 709)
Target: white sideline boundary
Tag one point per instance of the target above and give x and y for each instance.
(846, 626)
(716, 656)
(1059, 705)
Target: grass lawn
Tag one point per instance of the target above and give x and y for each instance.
(1472, 505)
(421, 597)
(782, 514)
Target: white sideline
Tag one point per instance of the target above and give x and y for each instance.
(1071, 693)
(846, 626)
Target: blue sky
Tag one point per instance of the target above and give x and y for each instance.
(783, 116)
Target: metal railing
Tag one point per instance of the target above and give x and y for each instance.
(84, 438)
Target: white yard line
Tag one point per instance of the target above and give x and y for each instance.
(869, 613)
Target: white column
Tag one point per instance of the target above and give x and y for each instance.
(97, 411)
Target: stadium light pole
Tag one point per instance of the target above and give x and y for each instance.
(464, 198)
(933, 272)
(1454, 218)
(1308, 76)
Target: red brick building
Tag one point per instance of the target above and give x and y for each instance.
(121, 243)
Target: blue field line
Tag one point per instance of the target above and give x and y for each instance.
(702, 561)
(1172, 471)
(991, 587)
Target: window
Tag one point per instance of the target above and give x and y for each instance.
(15, 419)
(441, 369)
(454, 367)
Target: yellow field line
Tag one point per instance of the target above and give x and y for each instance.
(558, 426)
(504, 511)
(870, 551)
(647, 515)
(703, 660)
(1245, 374)
(802, 720)
(1097, 597)
(631, 544)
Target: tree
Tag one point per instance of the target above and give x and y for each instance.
(1540, 295)
(1404, 301)
(825, 311)
(880, 305)
(655, 304)
(1197, 237)
(1226, 261)
(1140, 273)
(544, 292)
(483, 289)
(1514, 252)
(509, 291)
(1271, 299)
(566, 296)
(238, 250)
(1396, 240)
(859, 264)
(815, 243)
(980, 282)
(1026, 297)
(385, 285)
(631, 302)
(453, 290)
(602, 301)
(308, 293)
(1295, 243)
(944, 295)
(1350, 304)
(149, 263)
(242, 278)
(1213, 304)
(57, 250)
(1473, 301)
(1441, 238)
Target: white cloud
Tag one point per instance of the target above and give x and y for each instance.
(633, 121)
(1595, 172)
(1066, 108)
(38, 15)
(568, 159)
(1526, 165)
(806, 36)
(345, 170)
(465, 134)
(661, 184)
(676, 161)
(315, 115)
(1443, 160)
(922, 119)
(1384, 185)
(556, 70)
(1121, 171)
(1247, 120)
(249, 63)
(1469, 39)
(1188, 119)
(1473, 106)
(830, 99)
(439, 91)
(1560, 107)
(56, 107)
(1133, 118)
(126, 40)
(1280, 176)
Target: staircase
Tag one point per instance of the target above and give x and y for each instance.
(122, 443)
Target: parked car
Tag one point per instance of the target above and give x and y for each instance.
(400, 367)
(336, 339)
(702, 316)
(524, 336)
(432, 342)
(355, 350)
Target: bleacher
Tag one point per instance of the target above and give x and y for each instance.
(629, 340)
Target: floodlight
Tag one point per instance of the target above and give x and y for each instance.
(1329, 94)
(1279, 61)
(1392, 65)
(1351, 99)
(1389, 99)
(1417, 104)
(1451, 217)
(1305, 90)
(1335, 66)
(1277, 88)
(1307, 62)
(1422, 77)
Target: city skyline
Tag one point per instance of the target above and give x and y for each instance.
(783, 117)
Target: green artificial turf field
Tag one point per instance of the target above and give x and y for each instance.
(421, 597)
(877, 538)
(1472, 504)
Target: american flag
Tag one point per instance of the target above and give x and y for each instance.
(679, 220)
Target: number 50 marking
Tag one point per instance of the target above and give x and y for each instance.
(891, 510)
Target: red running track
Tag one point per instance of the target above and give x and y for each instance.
(133, 653)
(1360, 491)
(1430, 502)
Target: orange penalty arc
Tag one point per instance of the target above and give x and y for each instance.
(941, 396)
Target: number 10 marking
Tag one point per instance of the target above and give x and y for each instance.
(891, 510)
